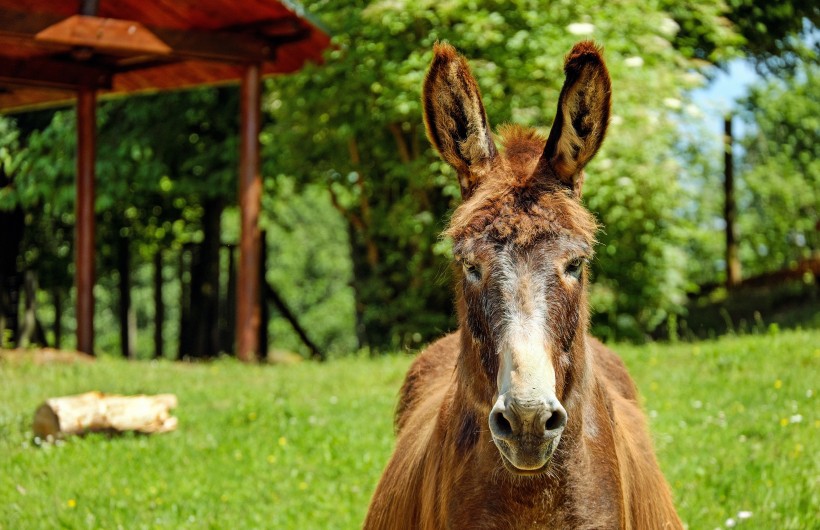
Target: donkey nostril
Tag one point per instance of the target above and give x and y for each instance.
(556, 421)
(500, 425)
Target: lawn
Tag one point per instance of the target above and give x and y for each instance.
(736, 424)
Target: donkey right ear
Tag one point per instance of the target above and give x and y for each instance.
(455, 117)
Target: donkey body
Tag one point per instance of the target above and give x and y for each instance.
(520, 419)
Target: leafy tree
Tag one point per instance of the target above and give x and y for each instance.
(166, 171)
(777, 36)
(357, 119)
(781, 172)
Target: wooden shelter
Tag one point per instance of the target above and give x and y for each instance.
(55, 52)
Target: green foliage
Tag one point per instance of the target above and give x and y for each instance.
(356, 123)
(310, 267)
(777, 36)
(735, 426)
(356, 199)
(780, 198)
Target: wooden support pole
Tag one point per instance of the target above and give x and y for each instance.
(733, 271)
(84, 226)
(250, 202)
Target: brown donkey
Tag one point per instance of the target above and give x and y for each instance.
(520, 419)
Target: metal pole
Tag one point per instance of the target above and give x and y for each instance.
(250, 201)
(84, 227)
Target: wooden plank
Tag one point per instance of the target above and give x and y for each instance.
(84, 225)
(219, 46)
(48, 73)
(124, 36)
(250, 203)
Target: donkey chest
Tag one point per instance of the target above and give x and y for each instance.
(494, 500)
(543, 511)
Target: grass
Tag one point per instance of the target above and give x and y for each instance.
(736, 424)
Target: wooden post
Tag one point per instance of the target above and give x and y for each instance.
(733, 271)
(84, 212)
(250, 201)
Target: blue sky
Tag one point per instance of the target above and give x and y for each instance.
(719, 96)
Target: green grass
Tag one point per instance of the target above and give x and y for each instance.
(303, 446)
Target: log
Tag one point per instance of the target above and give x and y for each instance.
(98, 412)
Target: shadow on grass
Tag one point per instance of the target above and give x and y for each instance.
(756, 309)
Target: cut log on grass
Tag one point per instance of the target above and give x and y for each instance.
(98, 412)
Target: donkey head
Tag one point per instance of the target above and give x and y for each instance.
(521, 242)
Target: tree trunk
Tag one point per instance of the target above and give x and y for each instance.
(185, 260)
(11, 236)
(205, 284)
(57, 297)
(98, 412)
(360, 267)
(733, 270)
(159, 306)
(126, 312)
(228, 305)
(31, 332)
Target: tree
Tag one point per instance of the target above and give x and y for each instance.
(777, 36)
(358, 121)
(781, 172)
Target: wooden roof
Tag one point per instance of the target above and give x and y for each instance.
(48, 50)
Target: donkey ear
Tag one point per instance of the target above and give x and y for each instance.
(582, 118)
(455, 117)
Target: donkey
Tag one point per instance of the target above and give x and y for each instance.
(520, 419)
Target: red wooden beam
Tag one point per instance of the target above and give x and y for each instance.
(116, 35)
(62, 75)
(250, 202)
(84, 226)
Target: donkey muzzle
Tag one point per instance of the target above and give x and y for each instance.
(527, 431)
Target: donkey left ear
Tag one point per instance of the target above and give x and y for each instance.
(582, 118)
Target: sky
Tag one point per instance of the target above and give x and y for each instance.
(720, 95)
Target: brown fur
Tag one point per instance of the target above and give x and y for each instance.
(446, 472)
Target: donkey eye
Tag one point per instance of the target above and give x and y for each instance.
(574, 268)
(471, 272)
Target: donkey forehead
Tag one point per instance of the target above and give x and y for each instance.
(522, 217)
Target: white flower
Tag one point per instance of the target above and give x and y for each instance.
(743, 515)
(730, 523)
(581, 28)
(668, 26)
(616, 120)
(634, 61)
(797, 418)
(672, 103)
